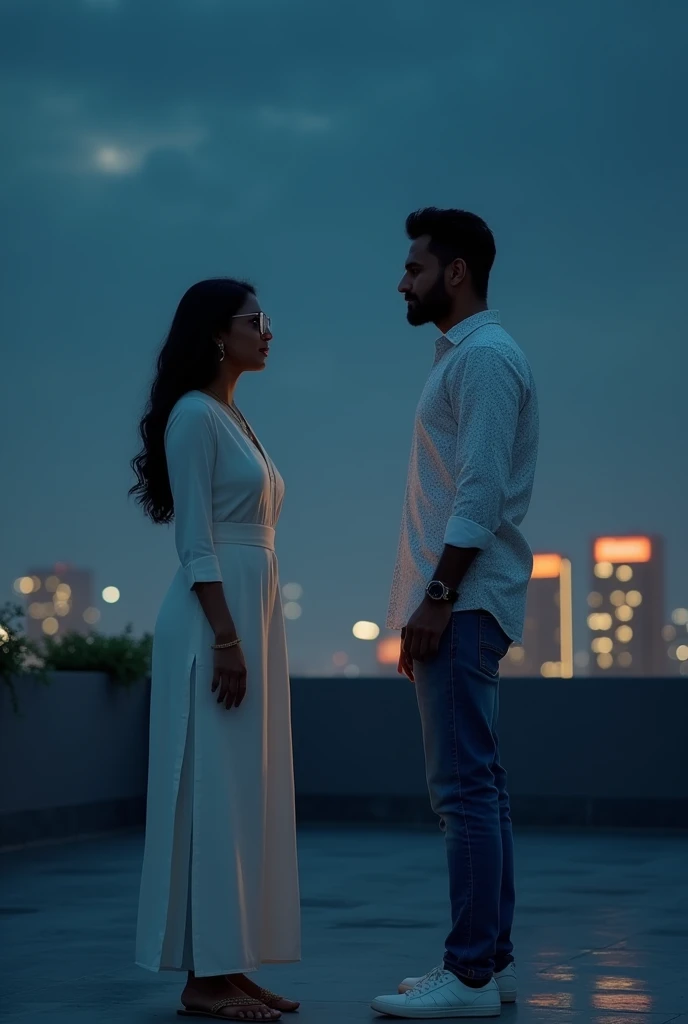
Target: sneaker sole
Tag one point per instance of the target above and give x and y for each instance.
(436, 1013)
(508, 996)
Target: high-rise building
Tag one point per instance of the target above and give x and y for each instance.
(675, 637)
(547, 648)
(59, 600)
(626, 607)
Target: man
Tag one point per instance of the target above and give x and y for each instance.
(459, 596)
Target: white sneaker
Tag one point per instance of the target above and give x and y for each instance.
(441, 994)
(506, 982)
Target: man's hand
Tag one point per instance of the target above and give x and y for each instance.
(425, 630)
(405, 666)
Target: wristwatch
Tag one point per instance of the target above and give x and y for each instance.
(438, 591)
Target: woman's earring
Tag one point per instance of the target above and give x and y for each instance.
(221, 350)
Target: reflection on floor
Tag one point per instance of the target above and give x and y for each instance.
(601, 938)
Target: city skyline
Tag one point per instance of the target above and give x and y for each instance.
(649, 640)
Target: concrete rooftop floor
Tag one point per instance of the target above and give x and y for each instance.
(601, 936)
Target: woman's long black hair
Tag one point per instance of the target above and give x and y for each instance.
(189, 360)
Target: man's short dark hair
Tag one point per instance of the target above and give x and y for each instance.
(457, 234)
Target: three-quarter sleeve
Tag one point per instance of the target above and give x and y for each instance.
(190, 445)
(486, 393)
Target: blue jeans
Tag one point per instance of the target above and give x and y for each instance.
(458, 697)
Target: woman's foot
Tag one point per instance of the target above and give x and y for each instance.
(269, 998)
(223, 998)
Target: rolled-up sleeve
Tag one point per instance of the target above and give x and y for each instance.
(190, 446)
(486, 393)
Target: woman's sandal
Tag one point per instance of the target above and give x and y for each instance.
(227, 1002)
(271, 1000)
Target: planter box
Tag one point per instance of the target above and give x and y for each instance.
(74, 760)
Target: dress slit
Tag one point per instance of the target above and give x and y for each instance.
(177, 948)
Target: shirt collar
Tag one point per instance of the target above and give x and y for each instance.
(460, 331)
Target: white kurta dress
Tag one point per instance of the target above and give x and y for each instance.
(219, 889)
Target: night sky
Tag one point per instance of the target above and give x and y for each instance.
(150, 144)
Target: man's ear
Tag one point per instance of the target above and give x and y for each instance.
(456, 272)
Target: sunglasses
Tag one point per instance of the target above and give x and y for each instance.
(260, 320)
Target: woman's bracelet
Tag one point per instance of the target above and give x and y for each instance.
(225, 647)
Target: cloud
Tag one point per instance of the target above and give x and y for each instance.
(298, 122)
(129, 154)
(65, 132)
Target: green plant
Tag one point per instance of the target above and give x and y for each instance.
(124, 658)
(19, 656)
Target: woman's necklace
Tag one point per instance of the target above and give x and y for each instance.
(237, 414)
(243, 424)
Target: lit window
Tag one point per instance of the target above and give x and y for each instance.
(517, 655)
(605, 660)
(293, 610)
(624, 634)
(546, 567)
(680, 617)
(51, 584)
(91, 615)
(624, 573)
(62, 608)
(602, 645)
(603, 570)
(668, 633)
(551, 670)
(682, 652)
(50, 626)
(624, 613)
(36, 610)
(625, 659)
(595, 599)
(63, 592)
(292, 591)
(634, 598)
(623, 549)
(617, 598)
(600, 621)
(366, 630)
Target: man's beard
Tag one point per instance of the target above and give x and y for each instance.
(435, 307)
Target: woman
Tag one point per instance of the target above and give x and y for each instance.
(219, 891)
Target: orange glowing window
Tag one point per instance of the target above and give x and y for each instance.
(388, 650)
(623, 549)
(546, 567)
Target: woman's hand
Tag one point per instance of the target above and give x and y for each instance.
(229, 676)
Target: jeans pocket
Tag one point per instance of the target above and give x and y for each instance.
(494, 643)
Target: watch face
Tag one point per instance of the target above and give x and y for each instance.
(435, 591)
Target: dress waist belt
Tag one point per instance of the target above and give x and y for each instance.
(244, 533)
